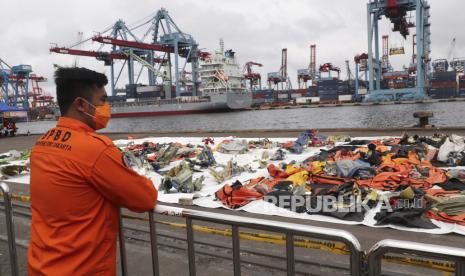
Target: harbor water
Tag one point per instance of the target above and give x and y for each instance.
(374, 116)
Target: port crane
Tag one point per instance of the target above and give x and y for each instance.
(161, 47)
(304, 75)
(457, 64)
(396, 12)
(20, 87)
(253, 79)
(280, 77)
(328, 68)
(14, 81)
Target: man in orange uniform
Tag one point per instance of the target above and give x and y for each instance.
(79, 180)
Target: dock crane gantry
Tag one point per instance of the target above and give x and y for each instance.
(162, 36)
(396, 11)
(252, 79)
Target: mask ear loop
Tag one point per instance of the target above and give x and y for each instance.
(88, 114)
(87, 102)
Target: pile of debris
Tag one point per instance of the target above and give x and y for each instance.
(418, 178)
(14, 163)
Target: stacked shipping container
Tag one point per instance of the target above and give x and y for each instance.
(312, 91)
(298, 93)
(329, 90)
(462, 86)
(263, 96)
(443, 85)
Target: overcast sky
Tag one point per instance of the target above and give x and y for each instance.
(256, 29)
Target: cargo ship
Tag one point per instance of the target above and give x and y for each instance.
(220, 91)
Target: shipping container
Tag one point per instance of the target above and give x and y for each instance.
(333, 87)
(301, 91)
(259, 95)
(384, 84)
(311, 94)
(303, 100)
(331, 101)
(269, 96)
(444, 76)
(445, 84)
(345, 98)
(131, 91)
(411, 82)
(362, 91)
(461, 82)
(328, 92)
(442, 93)
(258, 101)
(315, 99)
(147, 88)
(116, 98)
(329, 97)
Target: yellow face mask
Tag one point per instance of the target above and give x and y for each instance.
(102, 115)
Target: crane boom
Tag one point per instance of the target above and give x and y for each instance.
(133, 44)
(98, 55)
(451, 50)
(146, 64)
(248, 66)
(68, 51)
(145, 46)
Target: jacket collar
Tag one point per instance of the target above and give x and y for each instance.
(74, 124)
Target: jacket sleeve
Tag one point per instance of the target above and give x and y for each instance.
(120, 184)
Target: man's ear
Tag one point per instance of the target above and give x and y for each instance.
(80, 105)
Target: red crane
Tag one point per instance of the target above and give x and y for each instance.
(397, 14)
(39, 98)
(281, 76)
(385, 58)
(133, 44)
(312, 66)
(359, 58)
(146, 46)
(413, 66)
(104, 56)
(304, 75)
(329, 67)
(253, 77)
(283, 69)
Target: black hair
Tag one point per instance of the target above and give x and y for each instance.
(74, 82)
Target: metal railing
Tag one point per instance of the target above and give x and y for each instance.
(289, 229)
(122, 247)
(10, 229)
(453, 254)
(5, 189)
(360, 263)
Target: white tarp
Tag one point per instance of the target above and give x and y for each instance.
(206, 198)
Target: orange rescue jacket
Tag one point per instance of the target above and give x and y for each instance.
(78, 182)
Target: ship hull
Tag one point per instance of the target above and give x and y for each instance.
(218, 103)
(164, 113)
(239, 100)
